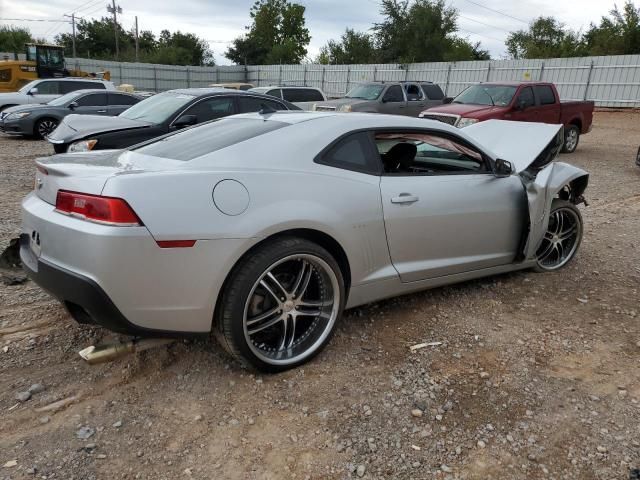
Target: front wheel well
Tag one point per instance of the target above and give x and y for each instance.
(574, 189)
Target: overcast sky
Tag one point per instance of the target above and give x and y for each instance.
(220, 21)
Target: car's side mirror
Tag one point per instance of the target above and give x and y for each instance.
(447, 100)
(33, 91)
(385, 99)
(73, 105)
(503, 168)
(185, 121)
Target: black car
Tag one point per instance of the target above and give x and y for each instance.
(155, 116)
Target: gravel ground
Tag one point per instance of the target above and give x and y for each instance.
(537, 376)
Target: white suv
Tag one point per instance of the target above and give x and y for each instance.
(303, 97)
(46, 89)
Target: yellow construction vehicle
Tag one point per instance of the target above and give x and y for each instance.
(42, 61)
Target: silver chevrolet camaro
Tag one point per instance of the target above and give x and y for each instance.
(262, 228)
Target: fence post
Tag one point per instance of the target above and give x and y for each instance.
(446, 84)
(121, 82)
(541, 72)
(406, 72)
(217, 74)
(322, 80)
(586, 88)
(155, 79)
(280, 75)
(304, 75)
(348, 78)
(188, 77)
(375, 71)
(488, 71)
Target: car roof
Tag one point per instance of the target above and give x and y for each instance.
(209, 91)
(98, 90)
(76, 79)
(516, 84)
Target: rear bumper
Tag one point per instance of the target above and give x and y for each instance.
(85, 300)
(119, 277)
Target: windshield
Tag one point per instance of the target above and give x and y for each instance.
(63, 100)
(500, 95)
(28, 86)
(365, 92)
(158, 108)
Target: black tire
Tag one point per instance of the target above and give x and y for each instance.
(571, 139)
(240, 291)
(566, 207)
(44, 126)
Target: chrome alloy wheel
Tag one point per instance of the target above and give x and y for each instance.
(45, 127)
(571, 140)
(291, 309)
(561, 239)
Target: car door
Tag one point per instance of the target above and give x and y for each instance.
(433, 93)
(415, 99)
(47, 90)
(393, 101)
(445, 212)
(91, 104)
(119, 102)
(524, 107)
(210, 108)
(547, 104)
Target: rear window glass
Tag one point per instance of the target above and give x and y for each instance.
(208, 137)
(432, 91)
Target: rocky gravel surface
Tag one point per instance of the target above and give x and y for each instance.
(523, 376)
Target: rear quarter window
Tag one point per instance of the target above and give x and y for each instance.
(432, 91)
(208, 137)
(353, 152)
(545, 94)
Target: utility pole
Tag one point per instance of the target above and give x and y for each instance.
(115, 10)
(73, 27)
(137, 47)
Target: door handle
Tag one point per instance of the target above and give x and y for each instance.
(101, 111)
(404, 198)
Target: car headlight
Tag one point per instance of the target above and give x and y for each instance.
(465, 122)
(345, 108)
(82, 146)
(17, 115)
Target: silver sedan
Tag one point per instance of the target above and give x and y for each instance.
(262, 228)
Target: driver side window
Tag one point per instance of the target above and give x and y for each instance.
(427, 153)
(525, 98)
(394, 94)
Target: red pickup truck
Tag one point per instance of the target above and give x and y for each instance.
(519, 101)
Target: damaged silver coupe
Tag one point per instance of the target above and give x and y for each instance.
(262, 228)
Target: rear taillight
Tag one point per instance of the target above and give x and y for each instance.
(95, 208)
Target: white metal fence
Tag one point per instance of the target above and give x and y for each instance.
(612, 81)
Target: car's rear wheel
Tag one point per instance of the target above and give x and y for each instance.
(562, 238)
(280, 305)
(571, 139)
(44, 127)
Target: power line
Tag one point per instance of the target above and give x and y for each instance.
(497, 11)
(482, 35)
(485, 24)
(32, 20)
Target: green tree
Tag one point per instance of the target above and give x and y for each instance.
(617, 35)
(96, 39)
(12, 39)
(353, 47)
(421, 31)
(277, 35)
(546, 37)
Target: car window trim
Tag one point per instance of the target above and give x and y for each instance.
(106, 104)
(319, 158)
(488, 161)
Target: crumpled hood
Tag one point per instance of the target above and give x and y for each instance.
(75, 127)
(467, 109)
(521, 143)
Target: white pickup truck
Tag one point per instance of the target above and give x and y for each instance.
(46, 89)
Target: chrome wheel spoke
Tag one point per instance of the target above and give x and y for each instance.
(279, 287)
(561, 239)
(568, 233)
(288, 333)
(305, 277)
(265, 325)
(263, 316)
(545, 254)
(264, 285)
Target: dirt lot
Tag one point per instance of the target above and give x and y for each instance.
(538, 376)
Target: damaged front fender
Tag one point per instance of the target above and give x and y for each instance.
(556, 180)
